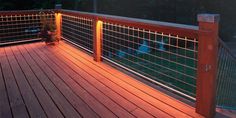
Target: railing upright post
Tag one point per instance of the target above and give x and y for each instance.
(207, 64)
(58, 20)
(97, 40)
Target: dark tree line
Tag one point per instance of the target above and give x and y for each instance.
(27, 4)
(179, 11)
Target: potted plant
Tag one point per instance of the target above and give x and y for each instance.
(48, 31)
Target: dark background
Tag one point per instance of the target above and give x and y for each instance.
(178, 11)
(27, 4)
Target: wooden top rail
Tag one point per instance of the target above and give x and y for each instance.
(181, 30)
(163, 27)
(25, 12)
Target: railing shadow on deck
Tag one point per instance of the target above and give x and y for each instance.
(180, 58)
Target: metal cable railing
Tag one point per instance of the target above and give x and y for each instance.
(78, 30)
(168, 54)
(161, 55)
(173, 56)
(226, 81)
(166, 59)
(21, 26)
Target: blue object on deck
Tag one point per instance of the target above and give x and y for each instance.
(144, 48)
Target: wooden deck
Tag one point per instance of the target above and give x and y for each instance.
(61, 81)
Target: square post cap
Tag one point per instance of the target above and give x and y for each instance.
(209, 18)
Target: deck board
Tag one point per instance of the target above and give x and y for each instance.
(66, 96)
(115, 87)
(66, 79)
(16, 102)
(112, 105)
(139, 85)
(34, 108)
(128, 87)
(104, 91)
(5, 111)
(62, 81)
(45, 100)
(61, 102)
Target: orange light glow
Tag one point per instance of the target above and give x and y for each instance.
(98, 41)
(58, 24)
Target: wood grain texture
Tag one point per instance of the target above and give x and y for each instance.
(17, 104)
(66, 82)
(4, 102)
(31, 102)
(187, 109)
(44, 98)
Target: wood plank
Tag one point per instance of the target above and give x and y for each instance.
(34, 108)
(5, 111)
(59, 99)
(141, 86)
(59, 77)
(75, 72)
(47, 103)
(99, 91)
(16, 102)
(82, 107)
(158, 104)
(106, 90)
(64, 65)
(139, 113)
(95, 93)
(129, 96)
(146, 89)
(121, 90)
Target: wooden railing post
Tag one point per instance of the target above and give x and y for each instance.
(207, 64)
(97, 40)
(58, 19)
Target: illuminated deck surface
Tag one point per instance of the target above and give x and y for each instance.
(62, 81)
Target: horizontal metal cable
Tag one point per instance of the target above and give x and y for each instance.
(226, 79)
(168, 59)
(161, 73)
(79, 30)
(175, 67)
(77, 26)
(151, 79)
(133, 36)
(75, 29)
(80, 20)
(17, 28)
(154, 56)
(162, 66)
(142, 30)
(76, 44)
(67, 34)
(152, 47)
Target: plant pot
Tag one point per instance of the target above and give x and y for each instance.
(51, 38)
